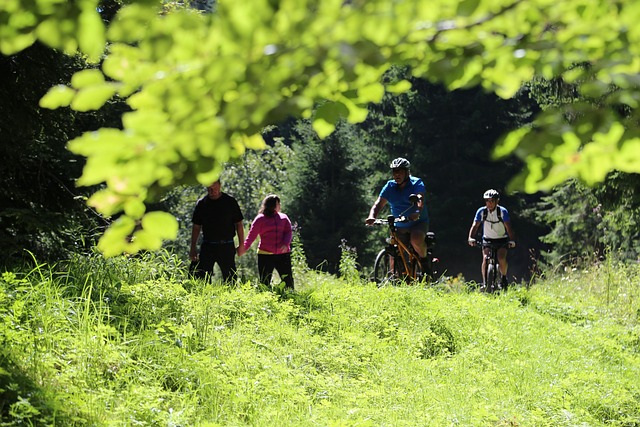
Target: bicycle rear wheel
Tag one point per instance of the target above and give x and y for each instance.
(382, 269)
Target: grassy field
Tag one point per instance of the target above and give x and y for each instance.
(133, 342)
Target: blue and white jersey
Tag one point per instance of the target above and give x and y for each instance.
(398, 200)
(493, 227)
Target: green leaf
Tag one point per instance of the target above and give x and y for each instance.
(400, 87)
(134, 208)
(58, 96)
(598, 156)
(132, 23)
(161, 224)
(115, 240)
(91, 34)
(48, 32)
(467, 7)
(594, 89)
(326, 117)
(371, 93)
(106, 202)
(322, 127)
(357, 113)
(465, 75)
(509, 143)
(93, 97)
(15, 43)
(628, 159)
(147, 121)
(209, 175)
(254, 142)
(145, 240)
(85, 78)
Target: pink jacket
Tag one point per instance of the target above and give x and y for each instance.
(274, 231)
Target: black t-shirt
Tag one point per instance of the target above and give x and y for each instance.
(217, 217)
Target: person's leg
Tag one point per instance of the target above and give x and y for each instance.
(502, 261)
(418, 242)
(227, 262)
(265, 269)
(283, 265)
(503, 265)
(485, 254)
(206, 262)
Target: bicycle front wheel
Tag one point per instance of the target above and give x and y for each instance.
(381, 268)
(418, 272)
(492, 278)
(427, 267)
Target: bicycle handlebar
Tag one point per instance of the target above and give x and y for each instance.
(495, 245)
(483, 244)
(387, 221)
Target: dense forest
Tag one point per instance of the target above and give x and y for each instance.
(327, 185)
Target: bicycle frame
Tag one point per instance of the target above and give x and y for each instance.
(398, 260)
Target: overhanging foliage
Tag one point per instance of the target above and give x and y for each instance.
(202, 87)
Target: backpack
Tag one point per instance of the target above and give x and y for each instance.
(485, 212)
(483, 218)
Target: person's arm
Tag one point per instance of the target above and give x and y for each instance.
(195, 233)
(506, 220)
(414, 216)
(253, 234)
(240, 250)
(512, 236)
(375, 210)
(287, 236)
(472, 232)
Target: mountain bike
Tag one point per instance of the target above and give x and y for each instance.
(398, 261)
(492, 270)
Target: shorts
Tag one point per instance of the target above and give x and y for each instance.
(404, 233)
(497, 242)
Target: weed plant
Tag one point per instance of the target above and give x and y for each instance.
(134, 342)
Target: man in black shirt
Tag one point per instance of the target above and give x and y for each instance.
(219, 218)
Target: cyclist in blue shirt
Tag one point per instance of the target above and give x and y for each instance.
(396, 192)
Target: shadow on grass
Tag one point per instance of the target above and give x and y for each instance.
(22, 402)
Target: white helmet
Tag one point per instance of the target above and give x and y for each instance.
(491, 194)
(400, 162)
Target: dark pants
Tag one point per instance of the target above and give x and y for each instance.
(222, 253)
(279, 262)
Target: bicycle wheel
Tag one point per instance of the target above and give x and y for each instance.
(381, 268)
(492, 279)
(427, 270)
(417, 271)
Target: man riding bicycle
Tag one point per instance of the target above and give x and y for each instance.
(397, 192)
(496, 230)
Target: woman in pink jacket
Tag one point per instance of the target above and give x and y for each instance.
(274, 249)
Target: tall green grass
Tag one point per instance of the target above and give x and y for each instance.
(134, 342)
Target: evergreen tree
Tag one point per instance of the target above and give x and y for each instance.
(449, 139)
(325, 193)
(588, 223)
(41, 210)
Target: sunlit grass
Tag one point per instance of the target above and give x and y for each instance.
(133, 341)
